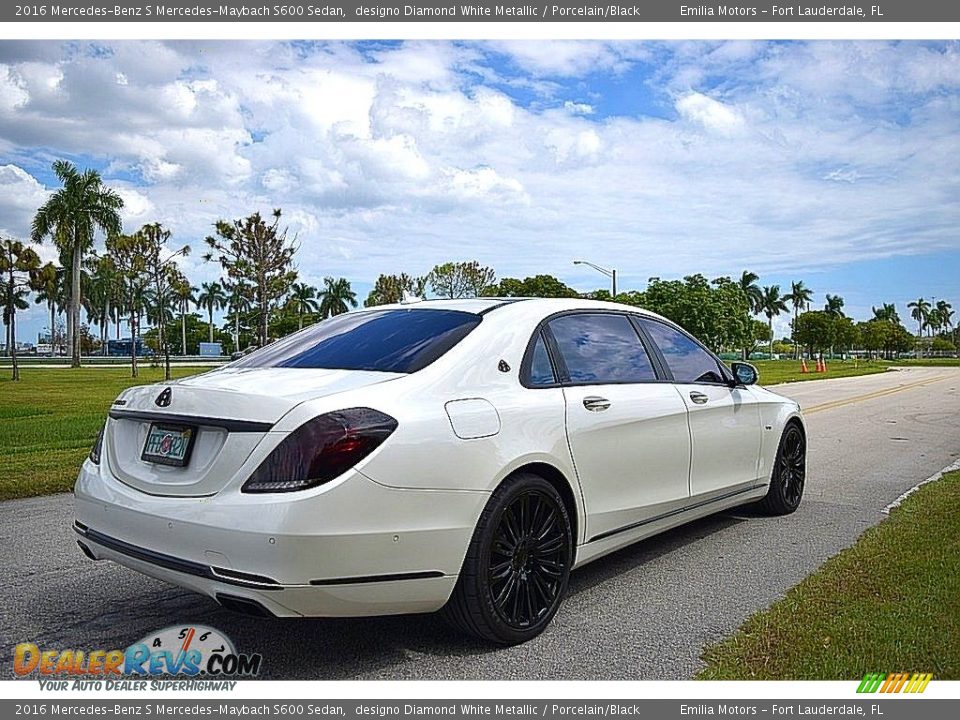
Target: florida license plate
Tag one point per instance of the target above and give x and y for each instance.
(168, 444)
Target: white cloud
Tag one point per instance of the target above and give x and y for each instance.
(773, 156)
(710, 113)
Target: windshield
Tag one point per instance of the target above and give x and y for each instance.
(401, 341)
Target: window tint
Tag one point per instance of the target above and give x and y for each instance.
(386, 340)
(601, 349)
(541, 371)
(687, 360)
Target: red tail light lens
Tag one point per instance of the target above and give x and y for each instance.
(320, 450)
(97, 447)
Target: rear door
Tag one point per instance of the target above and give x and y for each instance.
(627, 428)
(724, 420)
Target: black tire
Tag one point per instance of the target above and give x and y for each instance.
(517, 565)
(789, 473)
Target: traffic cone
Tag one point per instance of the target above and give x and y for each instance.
(824, 365)
(803, 366)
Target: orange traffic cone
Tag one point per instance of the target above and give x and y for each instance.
(803, 366)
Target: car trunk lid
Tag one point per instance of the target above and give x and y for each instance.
(218, 418)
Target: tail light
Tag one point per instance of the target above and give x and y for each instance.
(97, 447)
(320, 450)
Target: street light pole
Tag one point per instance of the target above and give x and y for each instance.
(609, 272)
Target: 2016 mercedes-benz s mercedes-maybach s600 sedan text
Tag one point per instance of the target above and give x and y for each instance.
(459, 455)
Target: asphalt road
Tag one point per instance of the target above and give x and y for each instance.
(643, 613)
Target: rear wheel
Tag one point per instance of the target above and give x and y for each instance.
(517, 566)
(789, 473)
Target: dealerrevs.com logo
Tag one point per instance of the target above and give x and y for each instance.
(199, 657)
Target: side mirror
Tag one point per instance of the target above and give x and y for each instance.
(745, 373)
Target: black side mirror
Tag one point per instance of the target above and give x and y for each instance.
(745, 373)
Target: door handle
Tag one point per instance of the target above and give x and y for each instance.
(698, 397)
(595, 403)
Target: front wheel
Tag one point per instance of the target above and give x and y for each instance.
(789, 473)
(517, 565)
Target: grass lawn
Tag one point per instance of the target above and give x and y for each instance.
(49, 420)
(780, 371)
(890, 603)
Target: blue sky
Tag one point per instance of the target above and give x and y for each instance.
(830, 162)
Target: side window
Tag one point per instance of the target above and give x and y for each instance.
(601, 348)
(541, 371)
(687, 359)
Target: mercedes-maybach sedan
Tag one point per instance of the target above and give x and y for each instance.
(461, 456)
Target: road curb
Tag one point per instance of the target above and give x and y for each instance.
(911, 491)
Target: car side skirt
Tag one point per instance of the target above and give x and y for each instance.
(693, 509)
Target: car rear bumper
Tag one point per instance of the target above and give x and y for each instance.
(358, 548)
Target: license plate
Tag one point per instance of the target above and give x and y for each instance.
(168, 444)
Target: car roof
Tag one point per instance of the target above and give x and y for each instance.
(524, 305)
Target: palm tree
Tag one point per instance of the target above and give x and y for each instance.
(336, 296)
(302, 299)
(212, 298)
(887, 311)
(771, 305)
(239, 302)
(799, 296)
(50, 291)
(920, 313)
(184, 293)
(834, 305)
(102, 296)
(945, 310)
(748, 283)
(71, 216)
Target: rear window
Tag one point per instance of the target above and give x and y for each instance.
(401, 341)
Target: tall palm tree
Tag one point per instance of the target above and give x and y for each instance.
(212, 298)
(50, 291)
(771, 305)
(71, 216)
(834, 305)
(748, 283)
(184, 293)
(799, 296)
(336, 296)
(302, 299)
(887, 311)
(921, 313)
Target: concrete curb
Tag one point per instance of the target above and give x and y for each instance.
(911, 491)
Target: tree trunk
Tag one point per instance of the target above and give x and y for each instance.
(53, 328)
(770, 325)
(75, 308)
(236, 329)
(265, 323)
(183, 327)
(162, 334)
(210, 315)
(13, 341)
(301, 319)
(134, 372)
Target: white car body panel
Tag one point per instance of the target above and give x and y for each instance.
(390, 535)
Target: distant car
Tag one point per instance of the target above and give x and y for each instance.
(236, 355)
(461, 456)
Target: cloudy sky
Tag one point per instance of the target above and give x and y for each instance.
(836, 163)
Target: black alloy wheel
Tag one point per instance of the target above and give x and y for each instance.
(789, 473)
(517, 566)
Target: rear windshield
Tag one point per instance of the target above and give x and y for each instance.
(401, 341)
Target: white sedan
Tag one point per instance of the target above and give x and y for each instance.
(461, 456)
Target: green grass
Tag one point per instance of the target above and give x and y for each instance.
(49, 420)
(781, 371)
(890, 603)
